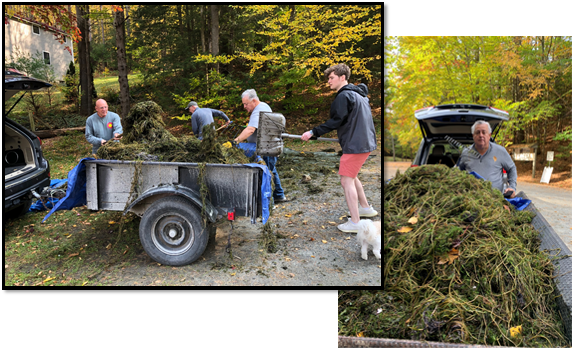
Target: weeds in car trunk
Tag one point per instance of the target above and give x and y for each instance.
(461, 265)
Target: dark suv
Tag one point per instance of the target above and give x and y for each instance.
(25, 168)
(455, 121)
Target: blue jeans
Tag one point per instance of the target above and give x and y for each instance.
(271, 164)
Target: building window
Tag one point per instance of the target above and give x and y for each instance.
(47, 58)
(36, 29)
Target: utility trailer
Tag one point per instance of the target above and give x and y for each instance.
(175, 219)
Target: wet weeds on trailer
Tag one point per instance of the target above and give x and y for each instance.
(146, 139)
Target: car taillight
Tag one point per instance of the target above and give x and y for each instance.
(40, 140)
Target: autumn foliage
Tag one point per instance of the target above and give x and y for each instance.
(530, 77)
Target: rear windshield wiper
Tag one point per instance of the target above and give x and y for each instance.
(460, 146)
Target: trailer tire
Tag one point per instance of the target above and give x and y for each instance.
(172, 232)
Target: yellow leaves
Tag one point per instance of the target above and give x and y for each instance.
(302, 40)
(324, 241)
(516, 331)
(210, 59)
(448, 258)
(48, 279)
(404, 229)
(111, 222)
(360, 334)
(413, 221)
(228, 145)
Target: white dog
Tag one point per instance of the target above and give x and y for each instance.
(369, 233)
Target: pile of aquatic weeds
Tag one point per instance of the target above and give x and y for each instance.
(461, 265)
(144, 123)
(359, 313)
(146, 139)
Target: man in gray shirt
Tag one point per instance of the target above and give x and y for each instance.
(102, 126)
(494, 158)
(202, 117)
(252, 104)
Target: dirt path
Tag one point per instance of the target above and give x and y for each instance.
(311, 251)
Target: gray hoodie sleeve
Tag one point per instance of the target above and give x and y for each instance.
(89, 133)
(218, 113)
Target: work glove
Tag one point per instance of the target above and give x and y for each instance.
(229, 144)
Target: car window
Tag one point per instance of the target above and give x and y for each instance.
(448, 148)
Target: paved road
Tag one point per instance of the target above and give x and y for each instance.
(555, 204)
(390, 168)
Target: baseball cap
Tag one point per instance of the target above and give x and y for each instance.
(191, 104)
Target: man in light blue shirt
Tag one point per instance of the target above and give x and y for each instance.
(494, 158)
(102, 126)
(202, 117)
(253, 105)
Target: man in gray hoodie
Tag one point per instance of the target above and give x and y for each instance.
(202, 117)
(350, 114)
(102, 126)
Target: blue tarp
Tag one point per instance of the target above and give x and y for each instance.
(248, 148)
(519, 203)
(266, 190)
(476, 175)
(39, 206)
(75, 194)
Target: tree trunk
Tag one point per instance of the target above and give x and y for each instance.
(102, 27)
(215, 33)
(203, 48)
(51, 133)
(127, 21)
(119, 24)
(290, 86)
(84, 62)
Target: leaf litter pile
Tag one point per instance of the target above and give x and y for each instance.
(461, 265)
(146, 139)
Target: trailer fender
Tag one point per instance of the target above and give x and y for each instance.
(140, 205)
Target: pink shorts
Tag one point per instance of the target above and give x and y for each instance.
(350, 163)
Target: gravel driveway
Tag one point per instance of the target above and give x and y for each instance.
(310, 250)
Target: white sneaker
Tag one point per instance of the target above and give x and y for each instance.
(349, 227)
(366, 212)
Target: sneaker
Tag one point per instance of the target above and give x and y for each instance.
(366, 212)
(281, 200)
(349, 227)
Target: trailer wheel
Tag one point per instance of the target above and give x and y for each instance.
(172, 232)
